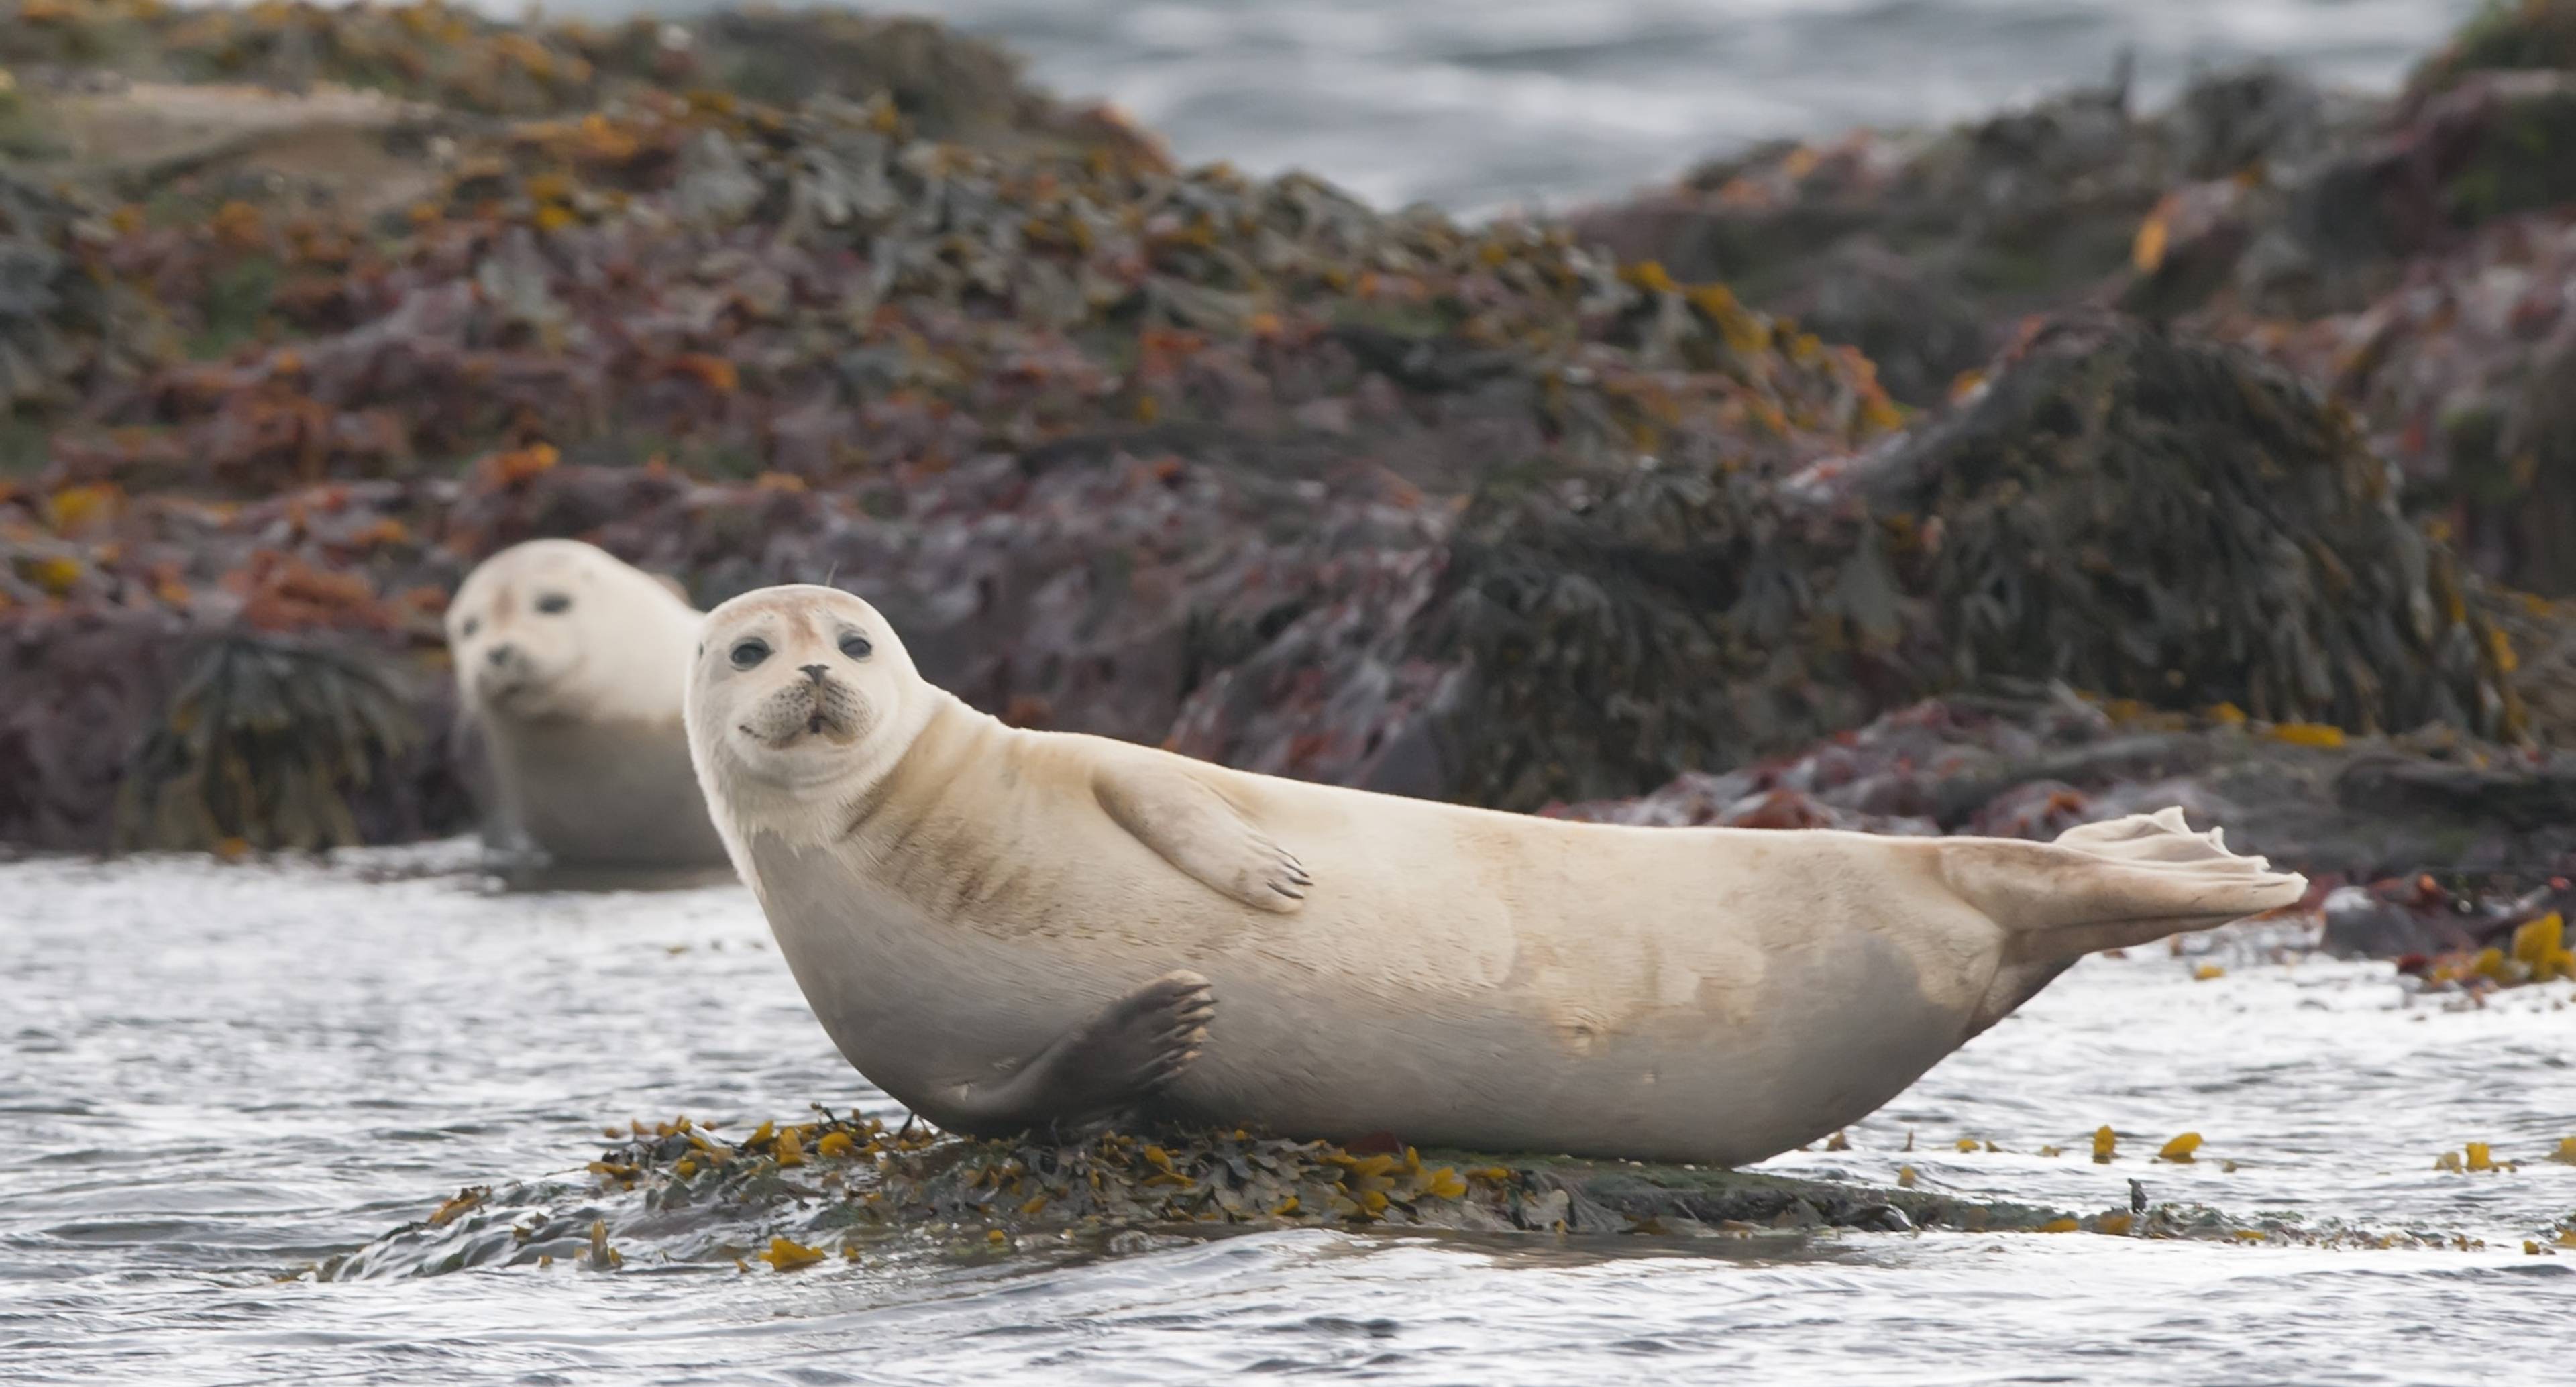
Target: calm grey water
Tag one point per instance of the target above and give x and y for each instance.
(1481, 104)
(214, 1076)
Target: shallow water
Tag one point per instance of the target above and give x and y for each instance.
(1479, 104)
(216, 1076)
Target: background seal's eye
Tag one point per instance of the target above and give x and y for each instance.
(747, 653)
(472, 625)
(553, 603)
(855, 646)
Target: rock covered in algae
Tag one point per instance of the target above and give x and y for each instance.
(690, 1195)
(2255, 188)
(1238, 466)
(2504, 36)
(794, 1196)
(2459, 376)
(2140, 514)
(452, 57)
(1925, 247)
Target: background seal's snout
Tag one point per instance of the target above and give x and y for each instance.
(815, 672)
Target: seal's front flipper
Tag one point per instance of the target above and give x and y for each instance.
(1125, 1053)
(1192, 827)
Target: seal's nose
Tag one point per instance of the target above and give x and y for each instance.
(815, 672)
(500, 654)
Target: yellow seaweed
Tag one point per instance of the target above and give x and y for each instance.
(2538, 945)
(2308, 734)
(2180, 1148)
(787, 1256)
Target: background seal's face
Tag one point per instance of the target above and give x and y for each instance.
(521, 632)
(790, 685)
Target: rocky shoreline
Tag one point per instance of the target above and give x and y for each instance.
(2207, 454)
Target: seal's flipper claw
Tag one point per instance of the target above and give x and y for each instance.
(1188, 824)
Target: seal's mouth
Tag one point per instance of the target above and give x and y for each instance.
(807, 709)
(513, 692)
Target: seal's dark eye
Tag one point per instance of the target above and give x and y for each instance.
(553, 603)
(472, 625)
(855, 646)
(747, 653)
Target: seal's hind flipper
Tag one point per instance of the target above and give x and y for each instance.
(2111, 885)
(1124, 1054)
(1188, 824)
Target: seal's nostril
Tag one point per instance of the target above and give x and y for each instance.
(500, 654)
(815, 672)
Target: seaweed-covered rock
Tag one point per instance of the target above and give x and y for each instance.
(2346, 224)
(2461, 376)
(951, 85)
(791, 1195)
(1238, 466)
(830, 1189)
(1924, 249)
(2144, 515)
(43, 302)
(2505, 35)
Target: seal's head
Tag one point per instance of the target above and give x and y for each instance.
(557, 629)
(799, 697)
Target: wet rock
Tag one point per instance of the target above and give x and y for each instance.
(2360, 922)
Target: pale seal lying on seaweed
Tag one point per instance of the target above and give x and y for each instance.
(569, 666)
(1006, 928)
